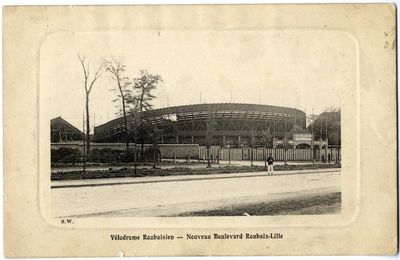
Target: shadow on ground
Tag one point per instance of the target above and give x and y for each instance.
(305, 205)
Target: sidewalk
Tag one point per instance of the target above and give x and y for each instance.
(156, 179)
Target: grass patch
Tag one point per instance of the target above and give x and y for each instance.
(141, 172)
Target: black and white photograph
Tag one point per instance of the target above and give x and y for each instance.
(200, 130)
(196, 123)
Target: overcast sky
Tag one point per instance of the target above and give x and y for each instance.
(299, 69)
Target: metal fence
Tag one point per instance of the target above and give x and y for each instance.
(279, 154)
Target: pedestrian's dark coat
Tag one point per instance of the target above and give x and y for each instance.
(270, 160)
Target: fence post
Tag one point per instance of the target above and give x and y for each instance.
(229, 155)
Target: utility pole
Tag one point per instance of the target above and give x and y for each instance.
(84, 142)
(326, 128)
(320, 128)
(229, 156)
(273, 134)
(305, 111)
(326, 136)
(285, 143)
(338, 145)
(312, 135)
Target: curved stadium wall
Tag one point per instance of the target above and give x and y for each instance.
(214, 124)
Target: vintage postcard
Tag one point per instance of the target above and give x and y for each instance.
(200, 130)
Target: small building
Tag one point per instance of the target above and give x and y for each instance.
(301, 141)
(62, 131)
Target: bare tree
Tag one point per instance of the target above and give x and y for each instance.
(116, 68)
(88, 84)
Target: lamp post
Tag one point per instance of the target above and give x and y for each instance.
(326, 138)
(208, 146)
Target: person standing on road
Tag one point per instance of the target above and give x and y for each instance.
(270, 161)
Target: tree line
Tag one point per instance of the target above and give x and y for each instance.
(327, 125)
(132, 96)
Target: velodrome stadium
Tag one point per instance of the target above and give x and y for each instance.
(214, 124)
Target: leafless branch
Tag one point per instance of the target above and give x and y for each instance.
(84, 67)
(96, 76)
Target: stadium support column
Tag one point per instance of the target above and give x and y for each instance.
(177, 139)
(192, 139)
